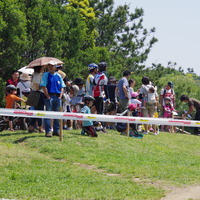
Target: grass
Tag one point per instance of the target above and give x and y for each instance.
(108, 167)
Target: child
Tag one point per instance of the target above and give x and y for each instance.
(11, 101)
(134, 99)
(168, 109)
(88, 125)
(150, 99)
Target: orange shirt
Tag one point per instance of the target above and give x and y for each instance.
(11, 100)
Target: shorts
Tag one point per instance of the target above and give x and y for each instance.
(149, 111)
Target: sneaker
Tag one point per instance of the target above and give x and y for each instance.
(145, 133)
(143, 107)
(156, 133)
(82, 132)
(49, 134)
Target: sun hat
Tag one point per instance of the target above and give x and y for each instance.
(54, 63)
(25, 77)
(167, 98)
(134, 94)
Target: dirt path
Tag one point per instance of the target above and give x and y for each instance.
(174, 193)
(185, 193)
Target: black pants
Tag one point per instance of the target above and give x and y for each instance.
(197, 118)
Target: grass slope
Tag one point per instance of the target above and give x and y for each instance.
(108, 167)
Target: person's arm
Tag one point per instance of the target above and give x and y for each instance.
(106, 92)
(61, 93)
(191, 109)
(125, 91)
(45, 92)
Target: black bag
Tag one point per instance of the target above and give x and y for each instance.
(33, 98)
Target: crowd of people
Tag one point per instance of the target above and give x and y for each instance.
(99, 94)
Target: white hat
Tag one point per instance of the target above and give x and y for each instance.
(25, 77)
(52, 62)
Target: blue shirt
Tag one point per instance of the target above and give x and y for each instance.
(86, 110)
(53, 82)
(120, 85)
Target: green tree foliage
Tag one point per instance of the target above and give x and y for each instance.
(13, 35)
(123, 34)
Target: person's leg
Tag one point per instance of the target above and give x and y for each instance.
(56, 107)
(197, 117)
(145, 114)
(48, 104)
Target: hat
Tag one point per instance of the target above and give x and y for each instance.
(167, 98)
(25, 77)
(53, 62)
(112, 78)
(170, 84)
(134, 94)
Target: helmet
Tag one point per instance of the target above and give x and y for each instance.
(88, 98)
(92, 66)
(10, 87)
(132, 107)
(78, 81)
(26, 92)
(102, 66)
(170, 84)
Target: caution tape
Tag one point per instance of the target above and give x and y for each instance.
(95, 117)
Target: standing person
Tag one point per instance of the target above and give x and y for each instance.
(123, 91)
(53, 88)
(150, 108)
(88, 127)
(111, 107)
(100, 82)
(93, 68)
(24, 83)
(14, 78)
(168, 109)
(167, 91)
(131, 83)
(193, 105)
(11, 101)
(35, 86)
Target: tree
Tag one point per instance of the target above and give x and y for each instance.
(123, 34)
(13, 35)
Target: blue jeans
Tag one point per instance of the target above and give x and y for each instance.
(52, 104)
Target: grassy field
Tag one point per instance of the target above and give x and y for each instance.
(108, 167)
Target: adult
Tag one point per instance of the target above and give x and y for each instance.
(93, 69)
(14, 78)
(123, 91)
(25, 83)
(35, 86)
(193, 105)
(150, 108)
(100, 81)
(167, 91)
(53, 88)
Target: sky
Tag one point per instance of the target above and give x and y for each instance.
(177, 29)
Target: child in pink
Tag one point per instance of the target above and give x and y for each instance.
(168, 108)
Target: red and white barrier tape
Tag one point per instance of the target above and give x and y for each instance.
(95, 117)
